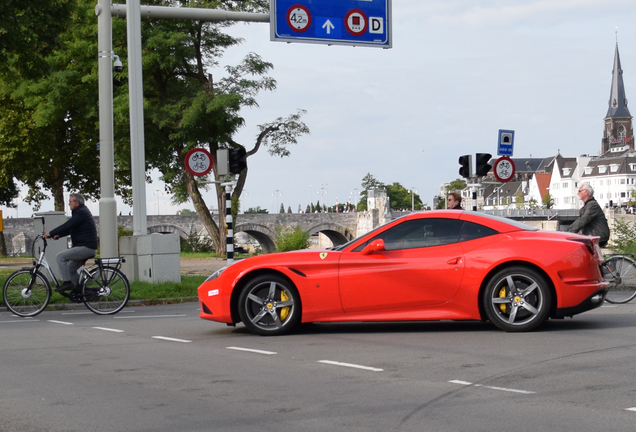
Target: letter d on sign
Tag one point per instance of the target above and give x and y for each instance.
(376, 25)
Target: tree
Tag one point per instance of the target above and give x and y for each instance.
(30, 31)
(256, 210)
(282, 208)
(547, 201)
(400, 197)
(368, 183)
(48, 120)
(456, 185)
(186, 107)
(188, 212)
(519, 200)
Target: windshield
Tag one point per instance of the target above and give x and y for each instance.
(343, 246)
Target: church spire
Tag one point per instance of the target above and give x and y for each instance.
(618, 101)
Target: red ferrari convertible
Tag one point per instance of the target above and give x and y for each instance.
(435, 265)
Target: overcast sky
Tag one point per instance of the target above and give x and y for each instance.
(459, 71)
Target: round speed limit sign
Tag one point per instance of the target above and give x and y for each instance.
(504, 169)
(298, 18)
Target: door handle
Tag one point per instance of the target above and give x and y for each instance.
(453, 261)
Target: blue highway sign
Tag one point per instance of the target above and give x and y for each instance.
(506, 142)
(332, 22)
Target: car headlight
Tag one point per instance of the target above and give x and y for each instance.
(216, 274)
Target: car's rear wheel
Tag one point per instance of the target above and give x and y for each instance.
(269, 305)
(517, 299)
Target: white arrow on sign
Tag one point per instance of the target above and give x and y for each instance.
(329, 26)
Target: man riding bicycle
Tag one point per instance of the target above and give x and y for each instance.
(591, 219)
(83, 232)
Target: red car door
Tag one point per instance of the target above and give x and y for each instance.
(422, 265)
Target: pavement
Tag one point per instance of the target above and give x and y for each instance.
(189, 266)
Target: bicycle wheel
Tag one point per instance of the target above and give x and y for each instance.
(106, 292)
(622, 279)
(26, 295)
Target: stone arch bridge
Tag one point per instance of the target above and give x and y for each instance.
(337, 227)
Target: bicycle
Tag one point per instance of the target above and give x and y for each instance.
(620, 272)
(103, 288)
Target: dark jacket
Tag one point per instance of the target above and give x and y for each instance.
(592, 222)
(457, 207)
(81, 227)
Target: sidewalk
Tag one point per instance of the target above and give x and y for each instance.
(189, 266)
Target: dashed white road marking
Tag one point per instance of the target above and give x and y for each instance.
(22, 320)
(466, 383)
(60, 322)
(171, 339)
(631, 409)
(252, 350)
(109, 329)
(351, 365)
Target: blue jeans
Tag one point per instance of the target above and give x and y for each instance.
(69, 262)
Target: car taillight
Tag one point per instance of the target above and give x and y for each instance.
(592, 245)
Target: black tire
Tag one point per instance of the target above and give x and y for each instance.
(620, 272)
(517, 299)
(269, 305)
(106, 292)
(26, 295)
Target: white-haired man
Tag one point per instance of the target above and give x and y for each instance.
(591, 219)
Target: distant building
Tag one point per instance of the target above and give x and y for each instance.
(612, 173)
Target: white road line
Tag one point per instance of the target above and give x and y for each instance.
(60, 322)
(77, 313)
(149, 316)
(631, 409)
(109, 329)
(18, 321)
(252, 350)
(171, 339)
(351, 365)
(466, 383)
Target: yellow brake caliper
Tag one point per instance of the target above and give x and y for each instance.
(502, 294)
(284, 311)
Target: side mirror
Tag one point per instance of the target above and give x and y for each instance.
(373, 247)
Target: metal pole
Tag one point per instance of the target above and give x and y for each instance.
(107, 202)
(136, 96)
(229, 222)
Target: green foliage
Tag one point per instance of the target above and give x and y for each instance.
(290, 239)
(196, 243)
(258, 209)
(519, 201)
(399, 197)
(30, 30)
(456, 185)
(48, 121)
(547, 201)
(441, 204)
(187, 212)
(123, 232)
(624, 238)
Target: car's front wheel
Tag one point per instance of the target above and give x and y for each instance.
(517, 299)
(269, 305)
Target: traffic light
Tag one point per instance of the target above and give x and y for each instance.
(466, 163)
(237, 162)
(482, 164)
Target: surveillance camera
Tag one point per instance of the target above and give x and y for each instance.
(118, 66)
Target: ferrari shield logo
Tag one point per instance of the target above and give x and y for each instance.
(323, 255)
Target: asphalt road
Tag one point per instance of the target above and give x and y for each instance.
(162, 368)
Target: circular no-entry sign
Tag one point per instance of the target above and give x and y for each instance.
(356, 22)
(504, 169)
(198, 161)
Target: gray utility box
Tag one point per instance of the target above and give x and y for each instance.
(151, 258)
(52, 219)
